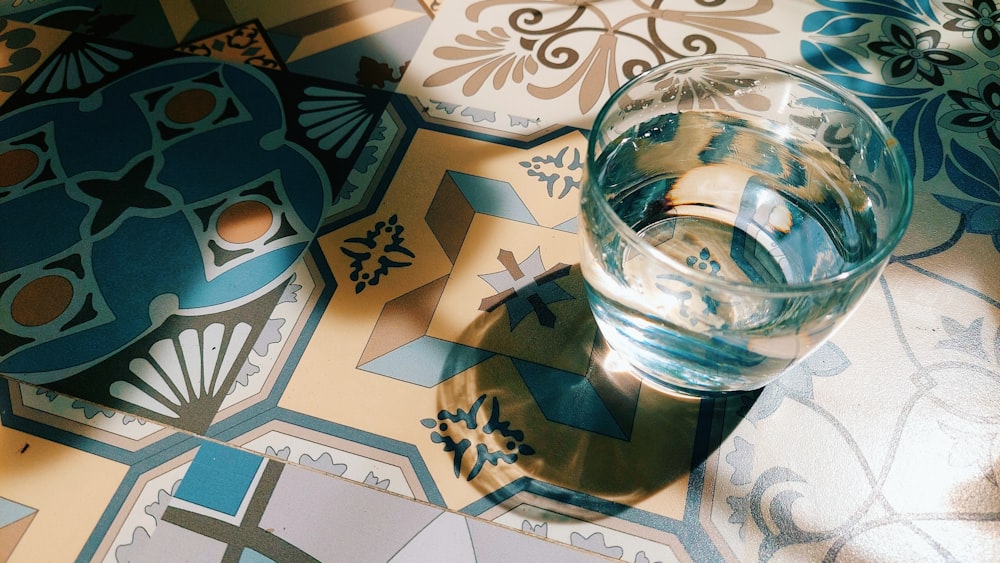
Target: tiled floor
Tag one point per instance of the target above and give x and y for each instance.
(307, 285)
(232, 505)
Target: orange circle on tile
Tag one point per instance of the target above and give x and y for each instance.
(41, 301)
(17, 166)
(190, 106)
(244, 221)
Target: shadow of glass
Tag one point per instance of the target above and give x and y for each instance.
(556, 405)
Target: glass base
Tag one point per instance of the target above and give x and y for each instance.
(613, 362)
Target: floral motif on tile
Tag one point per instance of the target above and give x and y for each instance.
(907, 61)
(381, 251)
(325, 463)
(600, 535)
(561, 173)
(487, 438)
(549, 49)
(141, 537)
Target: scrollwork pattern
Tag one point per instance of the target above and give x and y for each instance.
(591, 52)
(939, 417)
(929, 70)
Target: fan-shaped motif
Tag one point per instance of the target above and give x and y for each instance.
(337, 119)
(180, 371)
(71, 70)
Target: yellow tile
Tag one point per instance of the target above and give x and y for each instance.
(329, 384)
(351, 31)
(273, 14)
(69, 488)
(181, 15)
(465, 291)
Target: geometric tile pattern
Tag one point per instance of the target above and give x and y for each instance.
(561, 62)
(235, 505)
(369, 302)
(233, 244)
(350, 459)
(427, 361)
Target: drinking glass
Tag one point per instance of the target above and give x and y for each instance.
(734, 212)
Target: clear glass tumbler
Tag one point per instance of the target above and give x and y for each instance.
(735, 210)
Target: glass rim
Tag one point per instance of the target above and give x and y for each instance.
(893, 149)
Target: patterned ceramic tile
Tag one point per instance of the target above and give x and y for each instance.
(608, 535)
(351, 459)
(463, 265)
(229, 504)
(936, 98)
(141, 500)
(158, 24)
(22, 48)
(247, 43)
(562, 59)
(906, 424)
(101, 424)
(41, 497)
(908, 432)
(401, 348)
(363, 42)
(131, 340)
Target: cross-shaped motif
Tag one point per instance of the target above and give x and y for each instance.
(527, 280)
